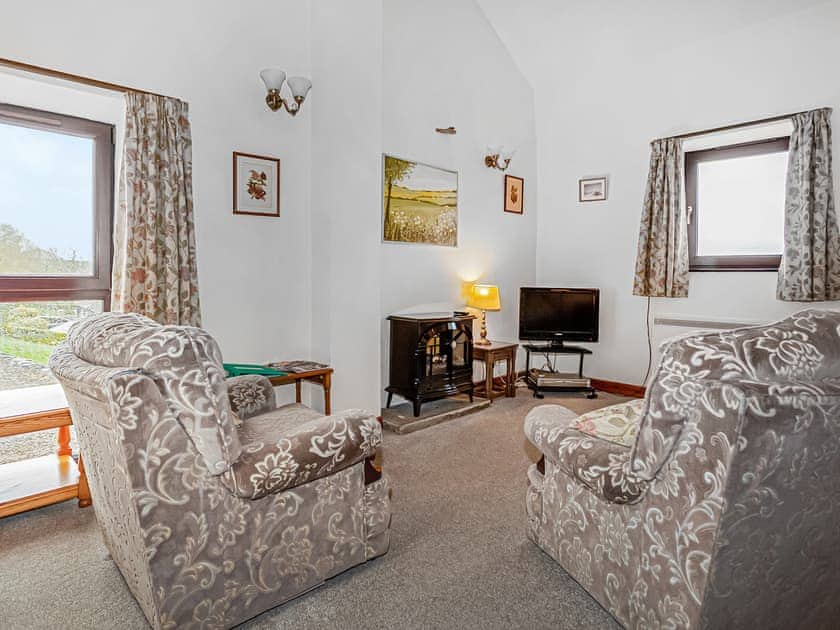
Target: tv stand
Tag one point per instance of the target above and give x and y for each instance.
(557, 348)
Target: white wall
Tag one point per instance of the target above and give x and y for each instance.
(445, 65)
(346, 145)
(318, 281)
(253, 271)
(618, 84)
(385, 75)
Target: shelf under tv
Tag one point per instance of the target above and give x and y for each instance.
(534, 384)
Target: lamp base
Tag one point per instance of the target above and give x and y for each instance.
(483, 340)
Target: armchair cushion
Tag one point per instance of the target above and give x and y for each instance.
(293, 444)
(250, 395)
(602, 465)
(618, 424)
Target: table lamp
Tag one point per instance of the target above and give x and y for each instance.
(484, 297)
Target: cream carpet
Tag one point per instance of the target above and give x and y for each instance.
(459, 556)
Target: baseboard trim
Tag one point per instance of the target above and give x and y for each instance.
(610, 387)
(621, 389)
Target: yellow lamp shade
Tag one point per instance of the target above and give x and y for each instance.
(485, 297)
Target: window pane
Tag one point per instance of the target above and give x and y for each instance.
(46, 203)
(741, 205)
(29, 331)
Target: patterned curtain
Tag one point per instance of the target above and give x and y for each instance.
(662, 258)
(810, 269)
(154, 236)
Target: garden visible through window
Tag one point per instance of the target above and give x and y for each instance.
(56, 200)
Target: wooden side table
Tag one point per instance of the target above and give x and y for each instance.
(40, 481)
(497, 351)
(322, 377)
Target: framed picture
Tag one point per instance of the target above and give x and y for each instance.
(419, 203)
(256, 185)
(514, 194)
(592, 189)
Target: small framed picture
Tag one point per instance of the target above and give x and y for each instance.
(592, 189)
(256, 185)
(514, 194)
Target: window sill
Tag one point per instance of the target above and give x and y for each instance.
(732, 268)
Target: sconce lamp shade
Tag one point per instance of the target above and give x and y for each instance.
(485, 297)
(273, 78)
(299, 86)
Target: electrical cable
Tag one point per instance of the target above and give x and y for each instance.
(649, 342)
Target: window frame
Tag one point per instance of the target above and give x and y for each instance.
(97, 286)
(692, 161)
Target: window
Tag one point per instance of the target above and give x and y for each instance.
(735, 198)
(56, 200)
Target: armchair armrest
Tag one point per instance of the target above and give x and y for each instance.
(278, 456)
(600, 465)
(546, 425)
(250, 395)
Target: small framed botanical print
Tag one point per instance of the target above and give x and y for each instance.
(514, 194)
(592, 189)
(256, 185)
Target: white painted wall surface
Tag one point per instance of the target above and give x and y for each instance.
(253, 271)
(445, 65)
(610, 78)
(318, 281)
(346, 146)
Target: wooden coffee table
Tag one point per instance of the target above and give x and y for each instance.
(322, 377)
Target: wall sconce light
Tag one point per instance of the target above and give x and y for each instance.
(274, 79)
(498, 157)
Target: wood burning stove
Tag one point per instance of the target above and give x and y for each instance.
(430, 358)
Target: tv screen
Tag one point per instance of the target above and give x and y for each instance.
(558, 314)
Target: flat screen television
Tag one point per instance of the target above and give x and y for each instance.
(558, 315)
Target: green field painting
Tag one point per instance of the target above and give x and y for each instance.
(419, 203)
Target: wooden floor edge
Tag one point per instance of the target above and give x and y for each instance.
(620, 389)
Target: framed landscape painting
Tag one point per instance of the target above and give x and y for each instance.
(592, 189)
(419, 203)
(256, 185)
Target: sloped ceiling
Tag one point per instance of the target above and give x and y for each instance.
(544, 35)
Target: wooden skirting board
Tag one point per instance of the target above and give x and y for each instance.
(611, 387)
(620, 389)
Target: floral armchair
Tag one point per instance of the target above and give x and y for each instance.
(713, 503)
(214, 503)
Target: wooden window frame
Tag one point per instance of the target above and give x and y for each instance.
(692, 161)
(97, 286)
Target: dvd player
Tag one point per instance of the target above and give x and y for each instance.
(544, 378)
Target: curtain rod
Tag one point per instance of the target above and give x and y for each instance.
(740, 125)
(75, 78)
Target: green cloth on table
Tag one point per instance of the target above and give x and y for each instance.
(239, 369)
